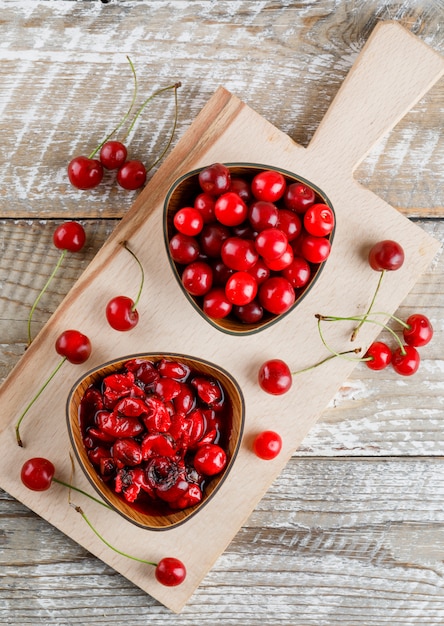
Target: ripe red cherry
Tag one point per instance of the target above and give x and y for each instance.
(215, 179)
(268, 185)
(283, 261)
(260, 271)
(113, 155)
(230, 209)
(210, 459)
(184, 249)
(121, 313)
(319, 220)
(406, 361)
(241, 288)
(379, 355)
(263, 215)
(250, 313)
(188, 221)
(386, 255)
(170, 572)
(69, 236)
(276, 295)
(212, 237)
(197, 278)
(74, 346)
(216, 303)
(238, 253)
(275, 377)
(289, 223)
(267, 445)
(85, 173)
(204, 203)
(37, 474)
(297, 273)
(271, 243)
(315, 249)
(299, 197)
(132, 175)
(419, 331)
(242, 188)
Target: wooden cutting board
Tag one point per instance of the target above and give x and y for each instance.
(390, 75)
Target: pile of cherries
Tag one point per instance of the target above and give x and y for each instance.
(247, 247)
(156, 432)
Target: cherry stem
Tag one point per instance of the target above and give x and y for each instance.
(176, 109)
(61, 482)
(45, 287)
(142, 280)
(29, 405)
(364, 318)
(96, 532)
(125, 117)
(329, 358)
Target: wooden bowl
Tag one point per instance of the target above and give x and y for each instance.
(183, 192)
(140, 518)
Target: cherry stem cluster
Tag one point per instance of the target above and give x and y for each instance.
(44, 288)
(96, 532)
(124, 118)
(365, 316)
(37, 395)
(142, 280)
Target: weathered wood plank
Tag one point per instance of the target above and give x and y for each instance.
(332, 543)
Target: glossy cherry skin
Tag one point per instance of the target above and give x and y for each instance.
(267, 445)
(69, 236)
(37, 474)
(121, 314)
(113, 155)
(268, 185)
(170, 572)
(420, 330)
(380, 356)
(315, 249)
(263, 215)
(188, 221)
(132, 175)
(406, 364)
(210, 459)
(299, 197)
(250, 313)
(230, 209)
(297, 273)
(74, 346)
(216, 303)
(239, 254)
(184, 249)
(271, 243)
(204, 203)
(85, 173)
(276, 295)
(197, 278)
(319, 220)
(275, 377)
(241, 288)
(289, 223)
(215, 179)
(386, 255)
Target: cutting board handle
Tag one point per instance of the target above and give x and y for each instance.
(392, 72)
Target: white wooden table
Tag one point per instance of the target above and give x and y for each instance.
(352, 531)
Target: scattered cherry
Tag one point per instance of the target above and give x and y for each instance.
(132, 175)
(267, 445)
(275, 377)
(74, 347)
(67, 237)
(37, 474)
(170, 572)
(386, 255)
(85, 172)
(121, 311)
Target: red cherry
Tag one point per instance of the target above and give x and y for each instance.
(250, 313)
(69, 236)
(289, 223)
(216, 303)
(297, 273)
(319, 220)
(242, 188)
(230, 209)
(379, 355)
(386, 255)
(275, 377)
(238, 253)
(121, 313)
(268, 185)
(210, 459)
(204, 203)
(271, 243)
(215, 179)
(419, 331)
(74, 346)
(263, 215)
(276, 295)
(132, 175)
(299, 197)
(267, 445)
(37, 474)
(211, 239)
(188, 221)
(277, 265)
(241, 288)
(113, 155)
(170, 572)
(197, 278)
(406, 361)
(184, 249)
(315, 249)
(85, 173)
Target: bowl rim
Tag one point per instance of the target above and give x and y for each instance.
(238, 331)
(221, 479)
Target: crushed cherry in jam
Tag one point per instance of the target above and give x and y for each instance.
(157, 432)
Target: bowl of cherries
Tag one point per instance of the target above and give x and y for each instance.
(156, 434)
(246, 242)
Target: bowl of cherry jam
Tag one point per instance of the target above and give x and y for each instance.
(156, 434)
(246, 242)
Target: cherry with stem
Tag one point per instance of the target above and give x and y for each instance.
(121, 311)
(67, 237)
(74, 347)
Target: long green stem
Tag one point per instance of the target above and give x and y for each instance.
(125, 117)
(96, 532)
(45, 287)
(328, 358)
(142, 280)
(61, 482)
(176, 109)
(175, 86)
(356, 330)
(38, 394)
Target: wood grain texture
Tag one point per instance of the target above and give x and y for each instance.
(369, 548)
